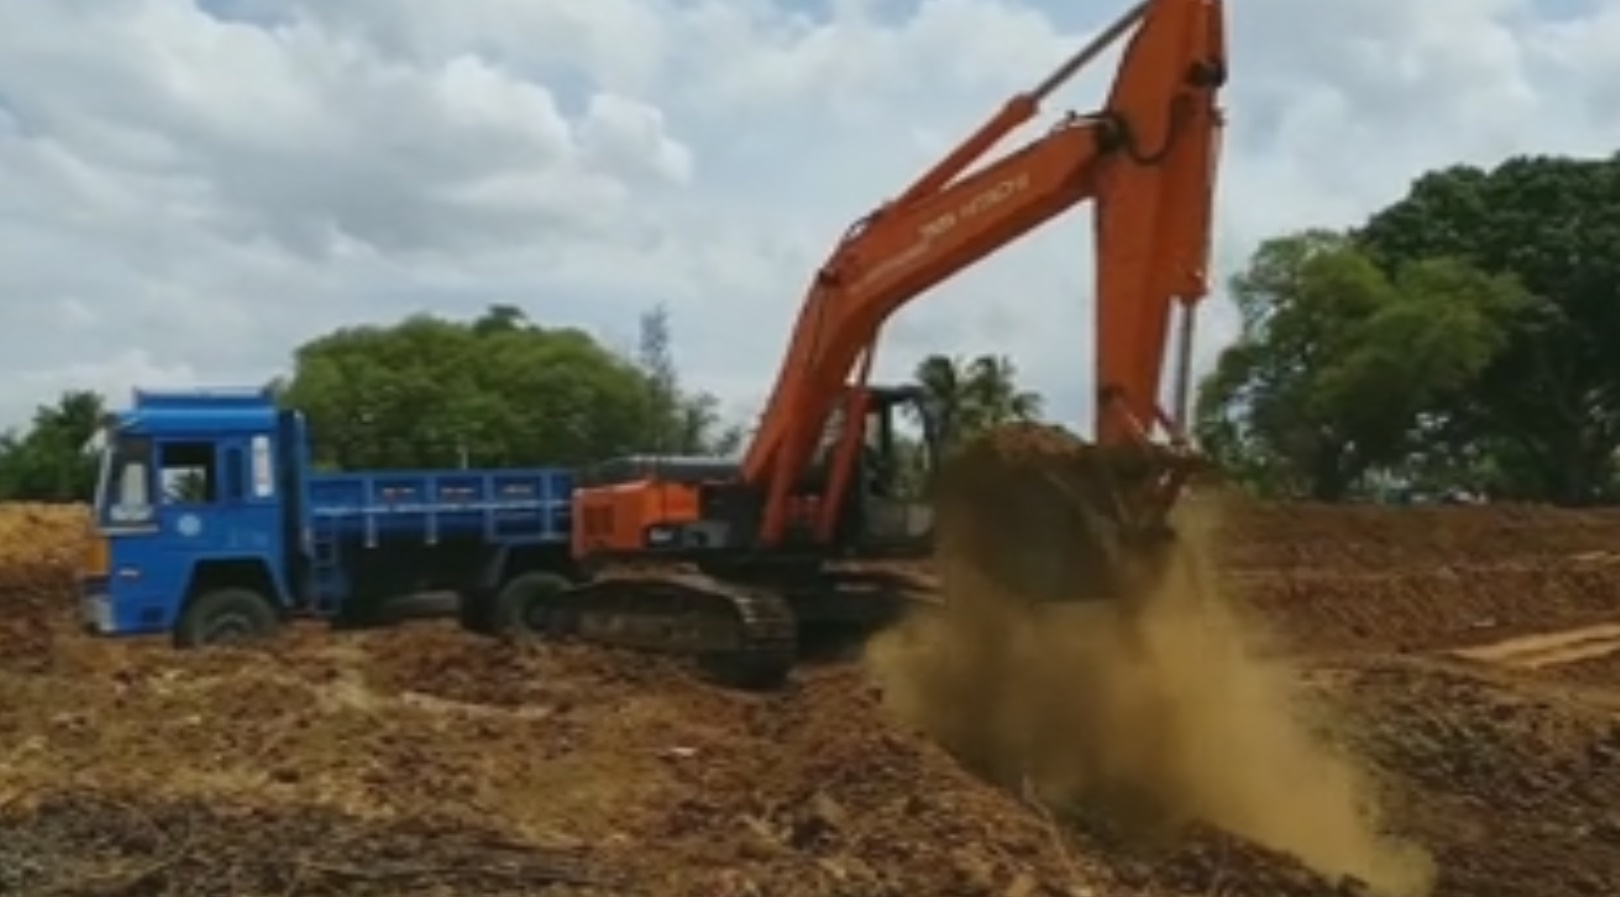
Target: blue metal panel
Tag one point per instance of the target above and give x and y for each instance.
(507, 507)
(203, 408)
(149, 578)
(205, 398)
(145, 584)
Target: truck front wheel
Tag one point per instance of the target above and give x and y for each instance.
(523, 607)
(225, 617)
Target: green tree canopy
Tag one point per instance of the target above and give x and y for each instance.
(492, 392)
(497, 391)
(679, 422)
(1342, 366)
(48, 461)
(975, 395)
(1545, 413)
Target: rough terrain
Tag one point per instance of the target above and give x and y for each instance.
(419, 761)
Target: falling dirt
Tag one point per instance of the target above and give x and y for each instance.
(1151, 710)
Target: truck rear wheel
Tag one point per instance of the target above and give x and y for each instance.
(524, 607)
(227, 616)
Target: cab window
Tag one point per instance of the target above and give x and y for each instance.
(188, 474)
(124, 496)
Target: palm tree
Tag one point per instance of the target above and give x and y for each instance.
(972, 396)
(943, 379)
(992, 386)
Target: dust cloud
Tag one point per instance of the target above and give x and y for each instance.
(1140, 721)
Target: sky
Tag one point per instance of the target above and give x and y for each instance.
(189, 190)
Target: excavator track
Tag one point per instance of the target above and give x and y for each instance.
(738, 636)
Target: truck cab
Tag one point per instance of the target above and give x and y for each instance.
(191, 504)
(213, 527)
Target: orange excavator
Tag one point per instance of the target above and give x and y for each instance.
(728, 562)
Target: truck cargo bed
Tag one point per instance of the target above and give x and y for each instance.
(510, 506)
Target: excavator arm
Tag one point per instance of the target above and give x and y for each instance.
(1147, 162)
(744, 581)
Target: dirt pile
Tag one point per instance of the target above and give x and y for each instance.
(1150, 711)
(342, 742)
(40, 548)
(126, 844)
(1353, 578)
(1516, 787)
(344, 758)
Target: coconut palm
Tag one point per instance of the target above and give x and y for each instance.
(971, 396)
(994, 396)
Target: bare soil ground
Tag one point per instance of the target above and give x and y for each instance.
(420, 761)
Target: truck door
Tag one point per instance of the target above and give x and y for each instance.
(206, 510)
(188, 496)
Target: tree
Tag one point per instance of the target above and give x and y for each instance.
(1340, 366)
(496, 391)
(1544, 416)
(972, 396)
(679, 423)
(48, 462)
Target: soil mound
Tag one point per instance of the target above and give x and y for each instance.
(1140, 756)
(1413, 579)
(40, 547)
(86, 843)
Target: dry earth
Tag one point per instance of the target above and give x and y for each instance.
(1460, 656)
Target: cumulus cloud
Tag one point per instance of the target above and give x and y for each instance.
(189, 190)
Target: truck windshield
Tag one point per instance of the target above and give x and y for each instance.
(124, 494)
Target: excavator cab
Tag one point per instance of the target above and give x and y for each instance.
(887, 511)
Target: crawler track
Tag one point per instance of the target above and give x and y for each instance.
(741, 637)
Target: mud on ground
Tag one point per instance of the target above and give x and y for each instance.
(417, 760)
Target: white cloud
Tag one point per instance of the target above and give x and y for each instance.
(186, 195)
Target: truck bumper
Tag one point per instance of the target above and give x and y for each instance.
(95, 607)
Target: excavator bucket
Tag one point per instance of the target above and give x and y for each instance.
(1048, 518)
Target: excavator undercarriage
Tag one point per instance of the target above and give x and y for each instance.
(1043, 516)
(746, 629)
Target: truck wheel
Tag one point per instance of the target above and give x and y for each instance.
(524, 607)
(225, 617)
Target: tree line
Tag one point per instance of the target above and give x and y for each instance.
(496, 391)
(1457, 342)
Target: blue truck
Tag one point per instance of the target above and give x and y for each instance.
(213, 527)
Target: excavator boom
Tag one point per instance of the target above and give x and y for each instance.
(1147, 161)
(728, 564)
